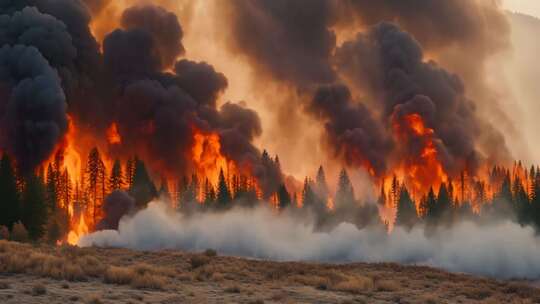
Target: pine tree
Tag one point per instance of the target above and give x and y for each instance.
(521, 202)
(308, 195)
(34, 215)
(142, 189)
(130, 172)
(444, 201)
(9, 195)
(432, 212)
(284, 198)
(65, 192)
(394, 191)
(209, 194)
(502, 203)
(406, 210)
(93, 176)
(223, 194)
(345, 192)
(116, 181)
(321, 185)
(51, 190)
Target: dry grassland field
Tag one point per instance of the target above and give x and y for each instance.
(63, 274)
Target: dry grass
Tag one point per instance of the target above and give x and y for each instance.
(189, 278)
(387, 285)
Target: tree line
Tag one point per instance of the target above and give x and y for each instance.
(40, 205)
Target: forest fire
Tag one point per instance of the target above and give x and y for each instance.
(77, 232)
(421, 167)
(208, 159)
(130, 117)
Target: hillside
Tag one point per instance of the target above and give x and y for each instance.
(47, 274)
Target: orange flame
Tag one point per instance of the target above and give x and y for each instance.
(79, 231)
(207, 157)
(112, 134)
(420, 172)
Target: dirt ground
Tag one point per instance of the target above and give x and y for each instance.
(49, 274)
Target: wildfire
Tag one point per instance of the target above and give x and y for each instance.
(423, 170)
(112, 134)
(78, 232)
(207, 157)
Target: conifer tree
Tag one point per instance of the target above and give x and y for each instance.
(143, 189)
(224, 198)
(345, 192)
(406, 210)
(308, 195)
(34, 216)
(284, 198)
(394, 191)
(209, 194)
(130, 172)
(432, 212)
(502, 202)
(321, 185)
(51, 190)
(9, 195)
(93, 176)
(521, 202)
(116, 181)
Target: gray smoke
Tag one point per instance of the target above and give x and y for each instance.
(502, 250)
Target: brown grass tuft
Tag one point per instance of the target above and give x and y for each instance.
(197, 261)
(387, 285)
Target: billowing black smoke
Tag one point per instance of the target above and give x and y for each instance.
(156, 112)
(289, 39)
(352, 131)
(115, 206)
(385, 67)
(32, 105)
(163, 27)
(390, 66)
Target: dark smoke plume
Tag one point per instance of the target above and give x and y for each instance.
(115, 206)
(163, 26)
(289, 39)
(389, 65)
(33, 108)
(351, 128)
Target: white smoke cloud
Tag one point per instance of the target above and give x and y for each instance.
(502, 250)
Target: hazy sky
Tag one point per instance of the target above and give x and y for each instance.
(530, 7)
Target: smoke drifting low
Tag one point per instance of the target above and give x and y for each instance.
(501, 250)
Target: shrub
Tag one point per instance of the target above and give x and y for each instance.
(118, 275)
(197, 261)
(210, 253)
(387, 285)
(19, 233)
(354, 285)
(4, 233)
(148, 281)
